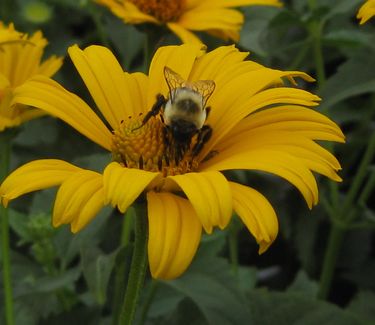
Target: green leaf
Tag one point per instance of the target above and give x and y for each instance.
(353, 78)
(97, 268)
(269, 308)
(212, 245)
(363, 305)
(213, 288)
(69, 245)
(302, 284)
(38, 132)
(186, 313)
(18, 223)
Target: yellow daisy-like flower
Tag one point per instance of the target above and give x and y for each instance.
(366, 11)
(20, 59)
(216, 17)
(257, 124)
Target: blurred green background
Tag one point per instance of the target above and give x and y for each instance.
(60, 278)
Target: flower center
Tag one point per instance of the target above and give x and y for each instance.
(147, 147)
(163, 10)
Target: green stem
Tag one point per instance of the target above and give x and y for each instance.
(5, 146)
(316, 33)
(137, 268)
(233, 246)
(333, 248)
(148, 301)
(367, 190)
(122, 265)
(344, 219)
(359, 177)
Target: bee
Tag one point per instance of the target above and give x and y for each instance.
(184, 111)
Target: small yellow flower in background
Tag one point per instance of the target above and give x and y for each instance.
(20, 59)
(257, 123)
(366, 11)
(216, 17)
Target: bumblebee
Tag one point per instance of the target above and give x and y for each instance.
(184, 111)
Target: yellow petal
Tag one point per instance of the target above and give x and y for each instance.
(310, 154)
(122, 186)
(213, 18)
(256, 213)
(138, 88)
(276, 162)
(244, 94)
(209, 193)
(50, 66)
(105, 80)
(231, 3)
(36, 175)
(185, 35)
(300, 120)
(48, 95)
(178, 58)
(220, 65)
(366, 11)
(78, 200)
(127, 11)
(174, 234)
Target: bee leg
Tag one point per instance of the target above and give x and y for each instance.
(160, 102)
(203, 136)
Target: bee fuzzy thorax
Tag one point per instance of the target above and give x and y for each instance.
(185, 104)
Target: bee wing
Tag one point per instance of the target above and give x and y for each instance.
(174, 80)
(205, 88)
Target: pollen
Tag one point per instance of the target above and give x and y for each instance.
(148, 147)
(163, 10)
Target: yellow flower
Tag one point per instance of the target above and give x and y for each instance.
(20, 59)
(217, 17)
(366, 11)
(257, 123)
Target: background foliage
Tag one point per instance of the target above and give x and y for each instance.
(61, 278)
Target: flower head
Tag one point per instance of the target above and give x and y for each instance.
(366, 11)
(257, 123)
(183, 16)
(20, 59)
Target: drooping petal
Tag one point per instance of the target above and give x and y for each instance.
(256, 213)
(122, 186)
(106, 81)
(185, 35)
(178, 58)
(128, 12)
(48, 95)
(366, 11)
(213, 18)
(210, 195)
(272, 161)
(78, 200)
(174, 234)
(33, 176)
(231, 3)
